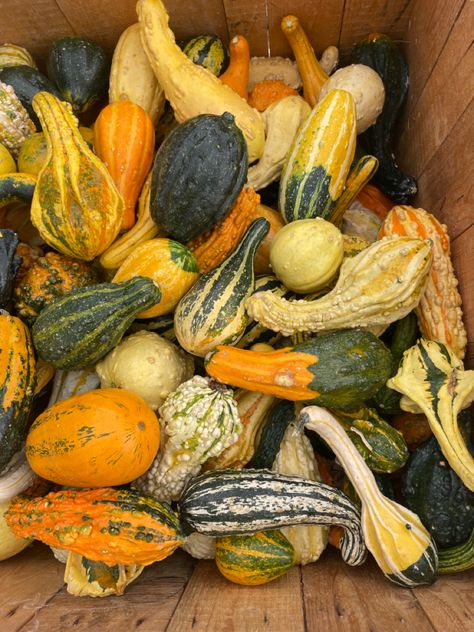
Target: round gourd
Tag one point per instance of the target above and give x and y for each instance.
(366, 88)
(101, 438)
(148, 365)
(208, 51)
(169, 264)
(7, 164)
(306, 254)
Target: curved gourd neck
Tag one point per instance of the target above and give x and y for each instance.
(251, 241)
(60, 126)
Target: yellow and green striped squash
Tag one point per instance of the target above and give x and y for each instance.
(317, 165)
(254, 559)
(208, 51)
(172, 266)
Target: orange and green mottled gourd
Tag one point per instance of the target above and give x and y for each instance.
(114, 526)
(17, 383)
(103, 437)
(439, 310)
(124, 139)
(76, 206)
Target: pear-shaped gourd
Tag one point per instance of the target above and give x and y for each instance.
(76, 206)
(400, 544)
(192, 89)
(213, 311)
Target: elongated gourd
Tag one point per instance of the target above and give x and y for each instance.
(439, 310)
(213, 311)
(434, 379)
(132, 77)
(400, 544)
(380, 285)
(76, 206)
(342, 368)
(234, 502)
(317, 164)
(124, 139)
(237, 74)
(192, 89)
(356, 181)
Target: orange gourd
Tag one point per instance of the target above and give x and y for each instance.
(114, 526)
(414, 428)
(372, 198)
(237, 74)
(262, 258)
(312, 74)
(213, 247)
(124, 139)
(266, 92)
(439, 310)
(103, 437)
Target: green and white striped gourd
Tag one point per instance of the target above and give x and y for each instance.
(77, 330)
(240, 502)
(199, 420)
(433, 381)
(318, 162)
(380, 285)
(400, 544)
(15, 124)
(213, 311)
(296, 458)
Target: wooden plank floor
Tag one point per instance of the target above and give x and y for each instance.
(180, 595)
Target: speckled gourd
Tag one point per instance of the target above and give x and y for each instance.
(15, 124)
(378, 286)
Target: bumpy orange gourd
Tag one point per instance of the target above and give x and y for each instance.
(312, 75)
(124, 139)
(439, 310)
(114, 526)
(103, 437)
(237, 74)
(213, 247)
(268, 91)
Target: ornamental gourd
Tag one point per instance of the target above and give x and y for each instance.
(88, 578)
(76, 206)
(103, 437)
(114, 526)
(192, 89)
(9, 264)
(378, 286)
(395, 536)
(15, 124)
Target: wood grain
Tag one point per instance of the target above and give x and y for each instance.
(445, 96)
(249, 19)
(462, 249)
(341, 598)
(211, 603)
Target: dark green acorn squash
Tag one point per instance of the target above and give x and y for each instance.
(9, 264)
(26, 82)
(435, 492)
(208, 51)
(383, 55)
(80, 69)
(75, 331)
(198, 172)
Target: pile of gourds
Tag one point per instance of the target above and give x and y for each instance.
(183, 358)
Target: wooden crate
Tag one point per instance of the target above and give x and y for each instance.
(437, 146)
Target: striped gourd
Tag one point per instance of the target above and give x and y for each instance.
(208, 51)
(213, 311)
(240, 502)
(161, 325)
(457, 558)
(400, 544)
(13, 55)
(380, 285)
(271, 435)
(382, 447)
(296, 458)
(78, 329)
(439, 310)
(17, 383)
(317, 165)
(254, 559)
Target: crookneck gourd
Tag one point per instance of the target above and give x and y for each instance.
(114, 526)
(192, 89)
(340, 369)
(395, 536)
(433, 380)
(213, 311)
(376, 287)
(439, 311)
(17, 383)
(76, 206)
(239, 502)
(199, 420)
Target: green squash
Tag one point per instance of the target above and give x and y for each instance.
(208, 51)
(271, 436)
(457, 558)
